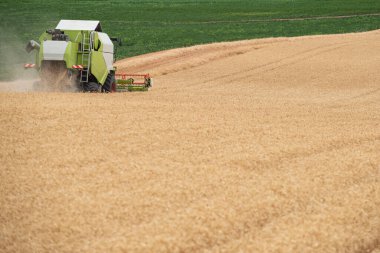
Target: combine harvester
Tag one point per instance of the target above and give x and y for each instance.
(77, 55)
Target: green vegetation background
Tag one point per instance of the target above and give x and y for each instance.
(148, 26)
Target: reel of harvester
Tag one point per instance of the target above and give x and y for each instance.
(132, 82)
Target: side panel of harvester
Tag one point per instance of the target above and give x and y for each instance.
(102, 56)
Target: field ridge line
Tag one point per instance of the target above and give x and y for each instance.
(257, 20)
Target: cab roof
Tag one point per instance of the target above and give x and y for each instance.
(79, 25)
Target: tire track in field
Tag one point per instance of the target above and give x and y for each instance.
(365, 94)
(288, 221)
(352, 99)
(176, 60)
(185, 60)
(292, 61)
(283, 62)
(297, 154)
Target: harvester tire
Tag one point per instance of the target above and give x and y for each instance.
(107, 86)
(91, 87)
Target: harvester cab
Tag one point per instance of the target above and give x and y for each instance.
(78, 55)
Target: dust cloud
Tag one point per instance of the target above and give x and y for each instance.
(13, 76)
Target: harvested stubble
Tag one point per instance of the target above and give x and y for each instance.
(257, 146)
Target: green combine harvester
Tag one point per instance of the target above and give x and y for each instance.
(77, 55)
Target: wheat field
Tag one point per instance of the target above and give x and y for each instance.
(268, 145)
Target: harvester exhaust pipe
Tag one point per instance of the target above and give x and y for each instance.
(31, 46)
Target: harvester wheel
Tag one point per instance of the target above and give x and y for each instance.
(91, 87)
(107, 86)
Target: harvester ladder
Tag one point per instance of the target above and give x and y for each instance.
(86, 56)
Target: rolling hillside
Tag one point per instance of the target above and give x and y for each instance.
(268, 145)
